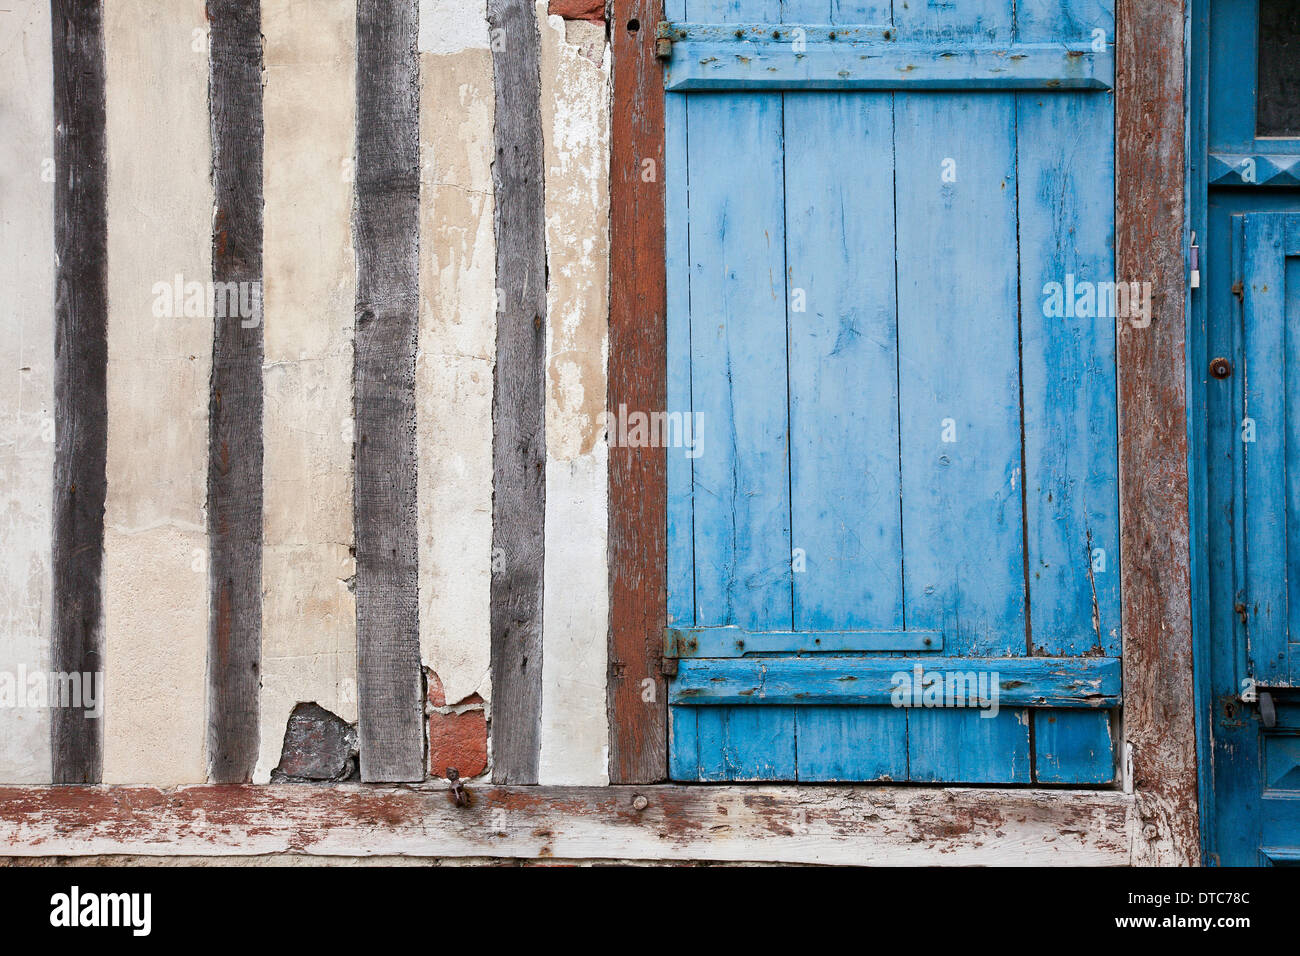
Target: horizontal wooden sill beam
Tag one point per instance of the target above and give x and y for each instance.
(871, 681)
(787, 824)
(738, 57)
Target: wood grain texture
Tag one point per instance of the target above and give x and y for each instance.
(80, 374)
(754, 682)
(519, 396)
(386, 232)
(846, 825)
(1268, 470)
(235, 405)
(1159, 713)
(638, 729)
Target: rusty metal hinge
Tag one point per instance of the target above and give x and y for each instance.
(1238, 290)
(663, 40)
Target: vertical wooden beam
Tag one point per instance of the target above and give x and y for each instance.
(1159, 709)
(519, 395)
(80, 374)
(386, 237)
(638, 745)
(235, 406)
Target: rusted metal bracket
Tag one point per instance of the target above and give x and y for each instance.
(663, 40)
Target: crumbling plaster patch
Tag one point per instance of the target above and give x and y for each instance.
(457, 349)
(575, 128)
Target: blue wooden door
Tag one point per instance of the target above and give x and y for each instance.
(1247, 440)
(893, 549)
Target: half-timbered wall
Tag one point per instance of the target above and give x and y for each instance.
(206, 645)
(318, 316)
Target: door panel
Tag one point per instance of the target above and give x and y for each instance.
(1269, 272)
(905, 452)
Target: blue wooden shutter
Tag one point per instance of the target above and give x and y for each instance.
(904, 458)
(1266, 249)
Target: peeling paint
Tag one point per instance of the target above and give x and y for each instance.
(575, 127)
(453, 26)
(454, 367)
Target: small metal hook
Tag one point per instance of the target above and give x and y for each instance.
(458, 791)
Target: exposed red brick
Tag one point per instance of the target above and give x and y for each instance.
(460, 741)
(437, 697)
(593, 10)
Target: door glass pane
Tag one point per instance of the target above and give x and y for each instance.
(1278, 111)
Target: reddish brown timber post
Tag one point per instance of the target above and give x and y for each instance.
(1159, 711)
(80, 375)
(235, 401)
(638, 745)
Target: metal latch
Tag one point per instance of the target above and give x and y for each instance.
(663, 40)
(1251, 694)
(1267, 711)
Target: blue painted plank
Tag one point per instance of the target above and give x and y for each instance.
(958, 381)
(805, 11)
(844, 481)
(1263, 301)
(961, 746)
(1042, 21)
(1067, 331)
(1073, 746)
(747, 743)
(959, 397)
(851, 744)
(683, 744)
(1290, 323)
(844, 485)
(835, 11)
(1234, 731)
(969, 20)
(737, 642)
(732, 11)
(861, 11)
(1081, 682)
(738, 362)
(769, 61)
(680, 544)
(1066, 206)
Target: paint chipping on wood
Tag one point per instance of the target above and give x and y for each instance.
(828, 825)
